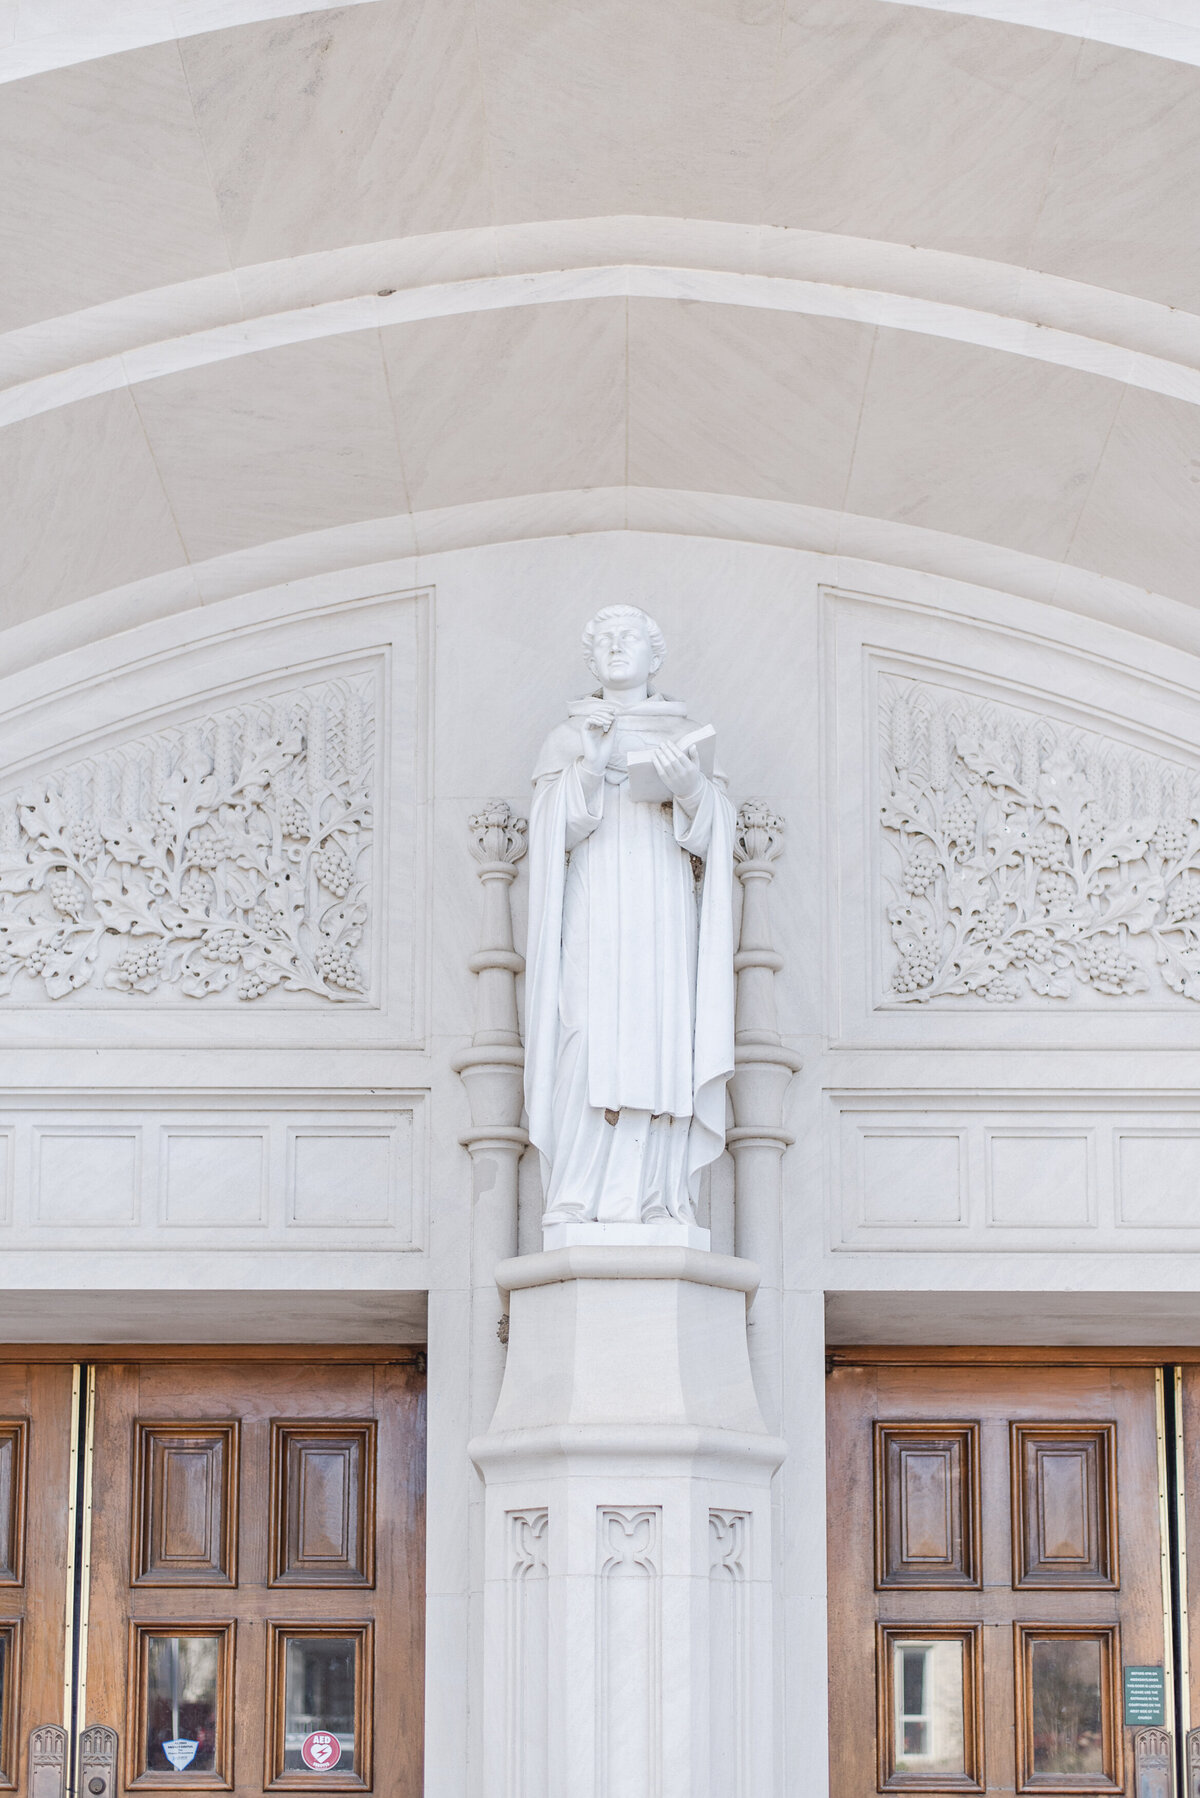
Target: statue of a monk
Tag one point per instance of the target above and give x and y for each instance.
(629, 994)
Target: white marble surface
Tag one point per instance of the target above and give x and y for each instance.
(919, 1242)
(1156, 27)
(35, 36)
(479, 304)
(432, 274)
(819, 121)
(298, 438)
(628, 1439)
(1084, 349)
(144, 160)
(480, 423)
(323, 129)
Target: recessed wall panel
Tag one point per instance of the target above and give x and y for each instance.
(212, 1178)
(1039, 1181)
(911, 1178)
(1158, 1179)
(86, 1178)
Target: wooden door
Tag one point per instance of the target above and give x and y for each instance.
(1186, 1383)
(36, 1437)
(256, 1584)
(995, 1563)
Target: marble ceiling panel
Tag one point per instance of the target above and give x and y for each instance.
(915, 127)
(292, 440)
(1125, 177)
(290, 137)
(768, 409)
(600, 108)
(978, 443)
(503, 403)
(1142, 518)
(105, 188)
(332, 129)
(477, 410)
(84, 508)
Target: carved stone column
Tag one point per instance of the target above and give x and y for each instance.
(627, 1608)
(764, 1068)
(492, 1070)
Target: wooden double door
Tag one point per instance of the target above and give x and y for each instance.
(212, 1573)
(1010, 1602)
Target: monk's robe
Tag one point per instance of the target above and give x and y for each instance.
(629, 978)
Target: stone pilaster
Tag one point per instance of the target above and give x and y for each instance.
(492, 1071)
(764, 1068)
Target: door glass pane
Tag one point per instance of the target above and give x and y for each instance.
(927, 1683)
(1067, 1736)
(319, 1701)
(181, 1703)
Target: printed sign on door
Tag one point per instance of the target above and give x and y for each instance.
(320, 1751)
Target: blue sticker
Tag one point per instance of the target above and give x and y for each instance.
(181, 1753)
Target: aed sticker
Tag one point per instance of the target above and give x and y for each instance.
(320, 1751)
(181, 1753)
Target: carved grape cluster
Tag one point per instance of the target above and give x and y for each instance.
(140, 960)
(339, 968)
(333, 870)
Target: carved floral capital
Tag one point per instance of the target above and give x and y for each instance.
(499, 835)
(759, 834)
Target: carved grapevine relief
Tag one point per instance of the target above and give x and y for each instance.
(1032, 857)
(227, 856)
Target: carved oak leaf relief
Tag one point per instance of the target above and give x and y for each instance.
(1032, 859)
(228, 856)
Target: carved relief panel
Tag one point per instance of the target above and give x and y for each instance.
(323, 1504)
(926, 1504)
(1017, 828)
(1064, 1502)
(228, 856)
(13, 1448)
(226, 818)
(1029, 859)
(185, 1484)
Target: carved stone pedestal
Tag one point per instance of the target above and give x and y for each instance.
(588, 1235)
(628, 1562)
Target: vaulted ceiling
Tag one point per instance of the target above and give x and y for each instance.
(288, 292)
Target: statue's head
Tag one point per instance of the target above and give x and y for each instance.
(623, 646)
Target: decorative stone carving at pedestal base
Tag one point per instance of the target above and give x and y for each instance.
(628, 1621)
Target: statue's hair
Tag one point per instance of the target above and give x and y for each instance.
(658, 642)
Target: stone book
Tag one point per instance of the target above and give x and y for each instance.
(644, 781)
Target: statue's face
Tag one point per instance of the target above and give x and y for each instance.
(622, 654)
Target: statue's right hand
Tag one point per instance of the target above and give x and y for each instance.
(596, 737)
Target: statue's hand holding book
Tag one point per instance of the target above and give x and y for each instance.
(652, 782)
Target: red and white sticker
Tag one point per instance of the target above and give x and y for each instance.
(321, 1751)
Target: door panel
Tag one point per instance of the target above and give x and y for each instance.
(995, 1562)
(36, 1416)
(243, 1599)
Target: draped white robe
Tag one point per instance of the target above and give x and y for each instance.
(629, 979)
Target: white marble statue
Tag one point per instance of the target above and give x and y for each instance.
(629, 1007)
